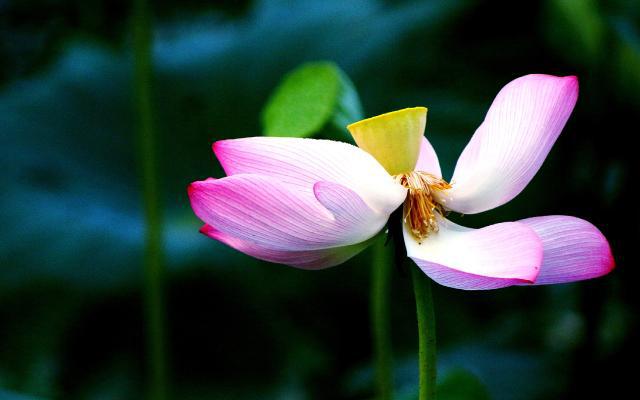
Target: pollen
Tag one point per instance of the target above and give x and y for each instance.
(421, 207)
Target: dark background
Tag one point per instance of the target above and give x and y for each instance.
(72, 229)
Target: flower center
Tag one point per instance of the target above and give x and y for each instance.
(420, 206)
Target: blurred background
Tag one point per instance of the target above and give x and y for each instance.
(72, 227)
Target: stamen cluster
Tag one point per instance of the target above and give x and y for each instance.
(420, 206)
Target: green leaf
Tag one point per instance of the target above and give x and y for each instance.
(627, 65)
(460, 384)
(577, 27)
(308, 98)
(349, 108)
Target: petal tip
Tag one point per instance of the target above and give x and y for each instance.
(573, 82)
(570, 81)
(191, 188)
(218, 148)
(574, 249)
(208, 230)
(215, 146)
(195, 185)
(610, 264)
(531, 276)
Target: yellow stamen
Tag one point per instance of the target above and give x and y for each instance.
(421, 207)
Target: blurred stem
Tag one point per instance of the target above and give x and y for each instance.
(153, 268)
(381, 273)
(426, 334)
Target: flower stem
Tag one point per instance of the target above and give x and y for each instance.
(153, 268)
(381, 273)
(426, 334)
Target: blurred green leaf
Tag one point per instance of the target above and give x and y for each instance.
(308, 98)
(627, 65)
(507, 374)
(303, 102)
(459, 384)
(487, 371)
(349, 108)
(578, 28)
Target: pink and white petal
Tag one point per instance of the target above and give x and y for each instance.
(305, 259)
(300, 163)
(347, 206)
(493, 257)
(574, 249)
(428, 159)
(511, 144)
(261, 210)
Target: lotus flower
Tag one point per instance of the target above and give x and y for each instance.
(314, 203)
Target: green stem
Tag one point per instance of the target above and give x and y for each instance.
(426, 334)
(153, 267)
(381, 273)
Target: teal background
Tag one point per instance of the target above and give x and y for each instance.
(71, 219)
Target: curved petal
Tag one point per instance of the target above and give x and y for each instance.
(476, 259)
(263, 211)
(428, 159)
(300, 163)
(574, 249)
(306, 259)
(509, 147)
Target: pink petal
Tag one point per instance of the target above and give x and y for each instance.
(574, 249)
(306, 259)
(476, 259)
(300, 163)
(263, 211)
(428, 159)
(509, 147)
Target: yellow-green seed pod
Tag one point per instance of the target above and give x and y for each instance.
(393, 138)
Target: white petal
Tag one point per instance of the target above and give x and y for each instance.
(475, 259)
(428, 159)
(509, 147)
(574, 249)
(263, 211)
(305, 259)
(300, 163)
